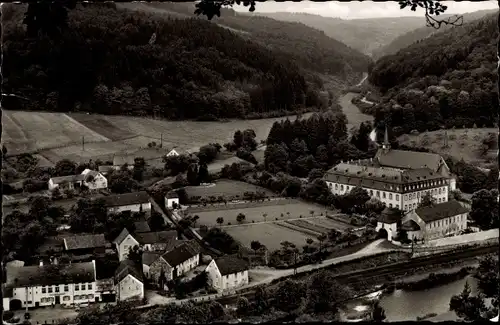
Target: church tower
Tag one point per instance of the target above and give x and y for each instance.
(386, 145)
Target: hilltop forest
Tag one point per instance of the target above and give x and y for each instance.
(114, 61)
(447, 80)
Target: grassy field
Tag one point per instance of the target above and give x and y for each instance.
(227, 188)
(57, 135)
(329, 223)
(268, 234)
(31, 131)
(256, 214)
(462, 143)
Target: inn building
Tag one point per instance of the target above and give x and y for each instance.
(397, 178)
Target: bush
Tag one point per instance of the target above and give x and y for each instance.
(7, 315)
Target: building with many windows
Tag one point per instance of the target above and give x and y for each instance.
(398, 178)
(47, 285)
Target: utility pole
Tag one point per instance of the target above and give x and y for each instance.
(161, 140)
(83, 143)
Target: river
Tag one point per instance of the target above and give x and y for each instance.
(402, 305)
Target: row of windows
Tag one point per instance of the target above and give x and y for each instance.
(414, 205)
(433, 192)
(446, 222)
(377, 193)
(55, 288)
(426, 184)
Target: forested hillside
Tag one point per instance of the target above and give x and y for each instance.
(309, 48)
(448, 79)
(419, 34)
(364, 35)
(108, 61)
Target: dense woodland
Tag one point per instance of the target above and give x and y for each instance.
(447, 80)
(108, 61)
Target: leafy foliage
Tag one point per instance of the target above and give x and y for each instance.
(484, 209)
(448, 80)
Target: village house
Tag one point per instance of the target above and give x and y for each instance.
(173, 263)
(173, 153)
(82, 247)
(171, 200)
(227, 272)
(46, 285)
(148, 241)
(436, 221)
(129, 281)
(94, 180)
(397, 178)
(132, 202)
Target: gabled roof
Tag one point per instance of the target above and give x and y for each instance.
(68, 179)
(231, 264)
(410, 225)
(84, 241)
(127, 267)
(158, 237)
(148, 257)
(408, 159)
(50, 274)
(441, 210)
(126, 199)
(390, 215)
(179, 255)
(141, 226)
(121, 237)
(122, 160)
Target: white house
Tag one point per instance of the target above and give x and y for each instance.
(69, 182)
(129, 281)
(388, 222)
(46, 285)
(133, 202)
(227, 272)
(170, 199)
(172, 153)
(94, 180)
(149, 241)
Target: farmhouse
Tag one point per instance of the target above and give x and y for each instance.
(227, 272)
(172, 263)
(94, 180)
(171, 200)
(436, 221)
(69, 182)
(397, 178)
(85, 246)
(129, 281)
(149, 241)
(133, 202)
(45, 285)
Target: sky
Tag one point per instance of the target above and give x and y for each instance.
(365, 9)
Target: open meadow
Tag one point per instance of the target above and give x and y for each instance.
(269, 234)
(58, 135)
(256, 212)
(226, 188)
(462, 143)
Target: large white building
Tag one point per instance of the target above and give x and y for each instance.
(397, 178)
(46, 285)
(227, 272)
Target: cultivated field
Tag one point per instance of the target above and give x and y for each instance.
(227, 188)
(57, 135)
(329, 223)
(309, 226)
(256, 213)
(31, 131)
(268, 234)
(462, 143)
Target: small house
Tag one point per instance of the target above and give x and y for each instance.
(129, 281)
(149, 241)
(85, 246)
(94, 180)
(173, 153)
(387, 223)
(436, 221)
(133, 202)
(227, 272)
(69, 182)
(172, 200)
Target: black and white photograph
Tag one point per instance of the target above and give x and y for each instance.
(243, 161)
